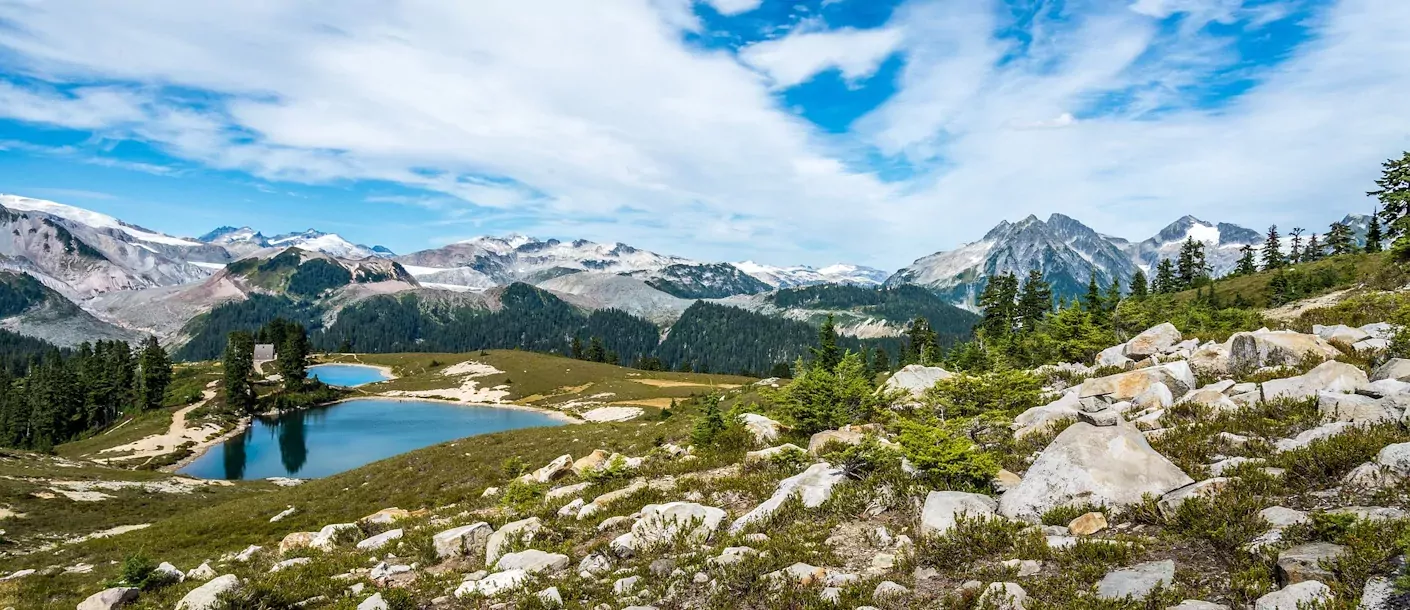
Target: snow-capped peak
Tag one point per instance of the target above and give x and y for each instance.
(88, 217)
(328, 243)
(803, 275)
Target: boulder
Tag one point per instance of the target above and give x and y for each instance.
(1171, 502)
(373, 603)
(296, 540)
(1195, 604)
(763, 429)
(566, 491)
(1295, 597)
(207, 596)
(111, 599)
(518, 530)
(943, 509)
(661, 523)
(846, 435)
(914, 379)
(1159, 339)
(764, 455)
(289, 563)
(171, 572)
(461, 541)
(551, 471)
(1307, 437)
(603, 500)
(387, 516)
(1039, 419)
(1370, 345)
(1003, 596)
(1214, 399)
(1138, 581)
(380, 540)
(201, 573)
(1395, 368)
(1395, 458)
(1228, 465)
(1355, 408)
(1115, 356)
(1176, 376)
(1304, 562)
(532, 561)
(1110, 466)
(1380, 330)
(493, 585)
(328, 538)
(592, 461)
(1277, 348)
(1340, 332)
(813, 485)
(1087, 524)
(1156, 396)
(1330, 376)
(1210, 359)
(1378, 595)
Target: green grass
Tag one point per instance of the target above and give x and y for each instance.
(1372, 271)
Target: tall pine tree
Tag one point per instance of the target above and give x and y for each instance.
(154, 375)
(1374, 235)
(998, 303)
(1035, 301)
(1314, 249)
(1247, 265)
(1165, 281)
(1273, 250)
(291, 357)
(1340, 240)
(1140, 287)
(239, 368)
(1295, 251)
(827, 355)
(1393, 191)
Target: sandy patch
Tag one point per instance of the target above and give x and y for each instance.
(611, 414)
(1297, 308)
(92, 491)
(176, 435)
(470, 368)
(668, 383)
(469, 391)
(659, 403)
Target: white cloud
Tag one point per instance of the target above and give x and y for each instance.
(561, 118)
(795, 58)
(734, 7)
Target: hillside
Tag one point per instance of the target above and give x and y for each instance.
(30, 308)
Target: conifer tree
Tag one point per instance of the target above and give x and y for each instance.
(1165, 281)
(999, 305)
(1191, 266)
(881, 361)
(827, 355)
(1034, 301)
(1313, 251)
(1247, 264)
(291, 357)
(1374, 235)
(239, 366)
(1113, 296)
(575, 348)
(1272, 250)
(155, 371)
(596, 352)
(1140, 287)
(1393, 191)
(920, 341)
(1092, 301)
(1340, 239)
(1295, 252)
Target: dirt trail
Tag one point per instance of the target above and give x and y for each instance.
(176, 435)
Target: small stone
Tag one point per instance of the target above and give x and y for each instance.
(1025, 567)
(111, 599)
(550, 597)
(1087, 524)
(1003, 596)
(888, 589)
(1304, 562)
(373, 603)
(1138, 581)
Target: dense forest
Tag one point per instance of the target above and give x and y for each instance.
(62, 395)
(18, 352)
(19, 292)
(899, 304)
(708, 337)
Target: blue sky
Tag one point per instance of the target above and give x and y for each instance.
(815, 131)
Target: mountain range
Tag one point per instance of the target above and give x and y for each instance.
(126, 279)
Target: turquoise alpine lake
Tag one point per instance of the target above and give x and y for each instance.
(347, 375)
(328, 440)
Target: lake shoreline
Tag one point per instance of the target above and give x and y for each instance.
(557, 415)
(386, 371)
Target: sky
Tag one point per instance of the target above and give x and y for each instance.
(801, 132)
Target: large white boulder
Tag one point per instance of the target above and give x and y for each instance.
(1158, 339)
(1039, 419)
(111, 599)
(943, 509)
(1211, 358)
(1108, 466)
(524, 529)
(914, 379)
(665, 522)
(1307, 437)
(1137, 582)
(532, 561)
(765, 430)
(1330, 376)
(206, 596)
(560, 466)
(1262, 348)
(494, 584)
(380, 540)
(1114, 356)
(327, 538)
(1395, 368)
(1335, 406)
(1305, 594)
(1340, 332)
(463, 540)
(813, 486)
(1176, 376)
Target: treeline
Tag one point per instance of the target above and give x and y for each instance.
(18, 352)
(63, 395)
(19, 292)
(208, 331)
(899, 304)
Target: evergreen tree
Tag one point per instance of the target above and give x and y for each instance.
(998, 304)
(1140, 288)
(1034, 302)
(920, 341)
(1272, 250)
(576, 348)
(596, 351)
(1313, 251)
(1393, 191)
(1092, 301)
(1295, 252)
(1165, 281)
(827, 355)
(155, 375)
(1191, 266)
(1374, 235)
(291, 357)
(881, 360)
(1113, 296)
(1247, 264)
(1340, 239)
(239, 366)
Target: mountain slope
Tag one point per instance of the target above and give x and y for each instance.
(28, 307)
(1066, 251)
(1221, 244)
(803, 275)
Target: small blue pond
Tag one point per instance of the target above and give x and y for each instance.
(347, 375)
(328, 440)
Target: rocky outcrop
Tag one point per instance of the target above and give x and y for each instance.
(813, 486)
(1306, 562)
(914, 379)
(1277, 348)
(943, 509)
(207, 596)
(559, 467)
(1330, 376)
(1107, 466)
(462, 541)
(763, 429)
(518, 530)
(1137, 582)
(1295, 597)
(1040, 419)
(1176, 376)
(1159, 339)
(110, 599)
(532, 561)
